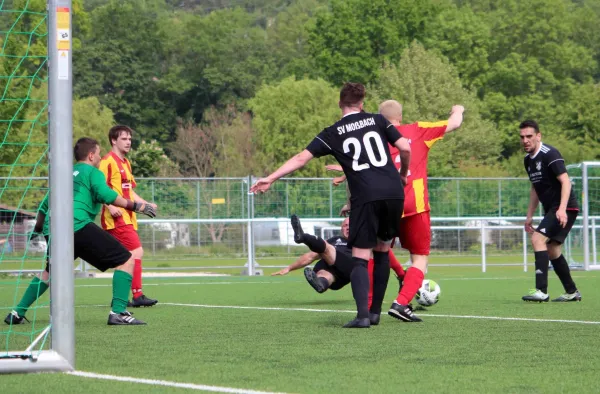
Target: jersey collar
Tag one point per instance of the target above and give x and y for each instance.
(351, 113)
(116, 157)
(536, 152)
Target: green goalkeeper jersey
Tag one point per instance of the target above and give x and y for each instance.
(44, 208)
(90, 191)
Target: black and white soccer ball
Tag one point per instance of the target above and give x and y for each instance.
(429, 293)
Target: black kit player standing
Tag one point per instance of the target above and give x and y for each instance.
(359, 142)
(551, 186)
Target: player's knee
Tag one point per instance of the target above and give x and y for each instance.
(138, 253)
(538, 240)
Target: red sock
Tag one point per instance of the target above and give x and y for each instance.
(136, 283)
(396, 266)
(412, 282)
(370, 267)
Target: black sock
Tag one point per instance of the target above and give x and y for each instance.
(541, 270)
(324, 282)
(359, 279)
(381, 275)
(561, 267)
(315, 244)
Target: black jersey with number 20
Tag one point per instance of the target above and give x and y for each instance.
(543, 168)
(359, 142)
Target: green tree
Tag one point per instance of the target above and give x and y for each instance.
(428, 86)
(92, 119)
(287, 116)
(149, 160)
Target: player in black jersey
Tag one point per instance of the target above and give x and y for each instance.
(551, 186)
(333, 269)
(359, 142)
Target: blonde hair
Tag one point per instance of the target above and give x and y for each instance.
(391, 110)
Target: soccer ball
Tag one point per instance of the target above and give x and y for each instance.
(429, 293)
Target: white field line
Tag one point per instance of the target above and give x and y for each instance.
(348, 311)
(165, 383)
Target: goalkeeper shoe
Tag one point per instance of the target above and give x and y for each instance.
(142, 301)
(298, 232)
(536, 295)
(358, 323)
(123, 319)
(568, 297)
(403, 313)
(14, 318)
(313, 280)
(374, 318)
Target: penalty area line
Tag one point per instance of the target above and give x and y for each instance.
(165, 383)
(264, 308)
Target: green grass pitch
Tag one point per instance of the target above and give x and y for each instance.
(276, 334)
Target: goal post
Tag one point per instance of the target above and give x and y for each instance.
(54, 25)
(586, 182)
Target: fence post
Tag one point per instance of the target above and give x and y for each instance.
(457, 199)
(483, 252)
(594, 241)
(524, 250)
(500, 198)
(198, 209)
(330, 199)
(151, 226)
(250, 229)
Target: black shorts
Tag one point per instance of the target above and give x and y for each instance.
(551, 228)
(97, 247)
(341, 270)
(375, 220)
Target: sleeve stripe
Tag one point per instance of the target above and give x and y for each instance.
(555, 160)
(389, 125)
(426, 125)
(324, 143)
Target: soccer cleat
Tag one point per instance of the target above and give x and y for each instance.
(568, 297)
(313, 280)
(123, 319)
(374, 318)
(14, 318)
(536, 295)
(142, 301)
(298, 233)
(358, 323)
(403, 313)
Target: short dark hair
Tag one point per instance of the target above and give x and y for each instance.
(529, 123)
(352, 93)
(115, 132)
(83, 147)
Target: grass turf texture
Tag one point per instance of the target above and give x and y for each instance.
(303, 351)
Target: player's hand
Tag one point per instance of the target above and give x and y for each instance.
(345, 210)
(334, 167)
(339, 180)
(561, 215)
(34, 235)
(146, 209)
(282, 272)
(115, 212)
(457, 108)
(403, 179)
(529, 225)
(261, 186)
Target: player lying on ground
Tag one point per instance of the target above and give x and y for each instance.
(91, 243)
(120, 222)
(359, 142)
(551, 186)
(415, 225)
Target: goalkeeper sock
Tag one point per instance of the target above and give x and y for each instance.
(381, 276)
(359, 280)
(561, 268)
(136, 283)
(542, 260)
(315, 244)
(36, 288)
(412, 284)
(396, 266)
(121, 285)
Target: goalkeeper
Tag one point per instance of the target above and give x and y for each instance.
(91, 243)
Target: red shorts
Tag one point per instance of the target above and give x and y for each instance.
(415, 233)
(127, 236)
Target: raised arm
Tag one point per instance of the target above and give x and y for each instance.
(456, 118)
(302, 262)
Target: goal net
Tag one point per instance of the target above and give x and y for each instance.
(24, 170)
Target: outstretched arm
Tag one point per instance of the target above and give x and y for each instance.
(302, 262)
(293, 164)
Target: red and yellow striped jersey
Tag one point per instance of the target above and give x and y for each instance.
(119, 178)
(421, 137)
